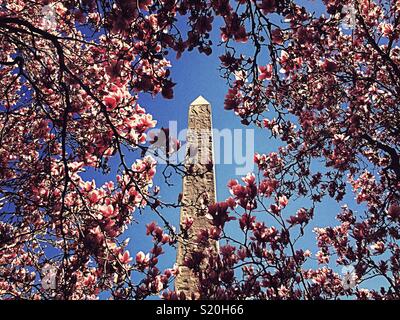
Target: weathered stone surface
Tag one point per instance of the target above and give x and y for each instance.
(198, 189)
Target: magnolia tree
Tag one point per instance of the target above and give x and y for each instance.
(326, 86)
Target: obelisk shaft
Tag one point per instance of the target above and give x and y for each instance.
(198, 191)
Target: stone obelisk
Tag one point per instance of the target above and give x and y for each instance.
(199, 190)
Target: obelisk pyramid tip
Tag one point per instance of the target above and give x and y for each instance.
(199, 101)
